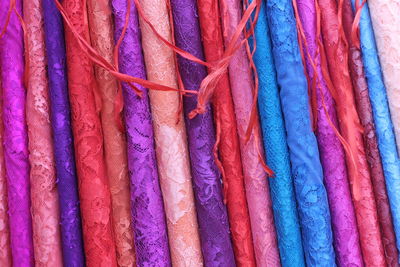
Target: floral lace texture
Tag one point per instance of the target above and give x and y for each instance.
(370, 140)
(94, 191)
(211, 211)
(5, 248)
(350, 127)
(273, 128)
(386, 23)
(16, 138)
(306, 168)
(101, 33)
(170, 140)
(71, 232)
(257, 189)
(148, 217)
(229, 151)
(386, 139)
(344, 225)
(45, 218)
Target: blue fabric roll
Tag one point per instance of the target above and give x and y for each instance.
(382, 119)
(306, 167)
(274, 136)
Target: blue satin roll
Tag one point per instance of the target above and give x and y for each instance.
(306, 167)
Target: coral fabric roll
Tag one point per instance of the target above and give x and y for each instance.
(350, 127)
(229, 151)
(364, 109)
(94, 191)
(274, 135)
(306, 167)
(344, 224)
(148, 217)
(170, 140)
(211, 211)
(71, 231)
(5, 248)
(45, 217)
(15, 138)
(101, 32)
(386, 22)
(385, 135)
(257, 188)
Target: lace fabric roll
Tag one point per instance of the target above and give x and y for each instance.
(5, 248)
(257, 188)
(274, 135)
(211, 211)
(386, 138)
(70, 219)
(101, 32)
(15, 138)
(94, 191)
(229, 151)
(370, 139)
(386, 24)
(306, 167)
(344, 224)
(351, 130)
(148, 217)
(170, 140)
(45, 218)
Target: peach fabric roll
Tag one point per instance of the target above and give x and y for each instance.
(44, 196)
(101, 33)
(257, 188)
(170, 139)
(385, 15)
(5, 248)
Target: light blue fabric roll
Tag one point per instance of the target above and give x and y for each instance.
(274, 136)
(382, 119)
(306, 167)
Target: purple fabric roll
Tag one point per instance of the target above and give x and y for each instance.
(71, 232)
(345, 233)
(149, 225)
(211, 212)
(16, 137)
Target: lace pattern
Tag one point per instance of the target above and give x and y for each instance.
(170, 140)
(45, 218)
(211, 211)
(16, 138)
(306, 168)
(101, 33)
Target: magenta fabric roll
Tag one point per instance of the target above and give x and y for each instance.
(346, 240)
(16, 137)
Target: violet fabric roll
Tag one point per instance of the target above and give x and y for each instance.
(71, 232)
(346, 239)
(16, 137)
(211, 211)
(148, 218)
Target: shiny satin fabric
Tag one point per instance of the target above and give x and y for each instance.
(170, 139)
(211, 212)
(344, 224)
(255, 178)
(148, 216)
(307, 173)
(15, 137)
(101, 33)
(385, 135)
(351, 130)
(45, 217)
(94, 191)
(364, 109)
(228, 146)
(274, 135)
